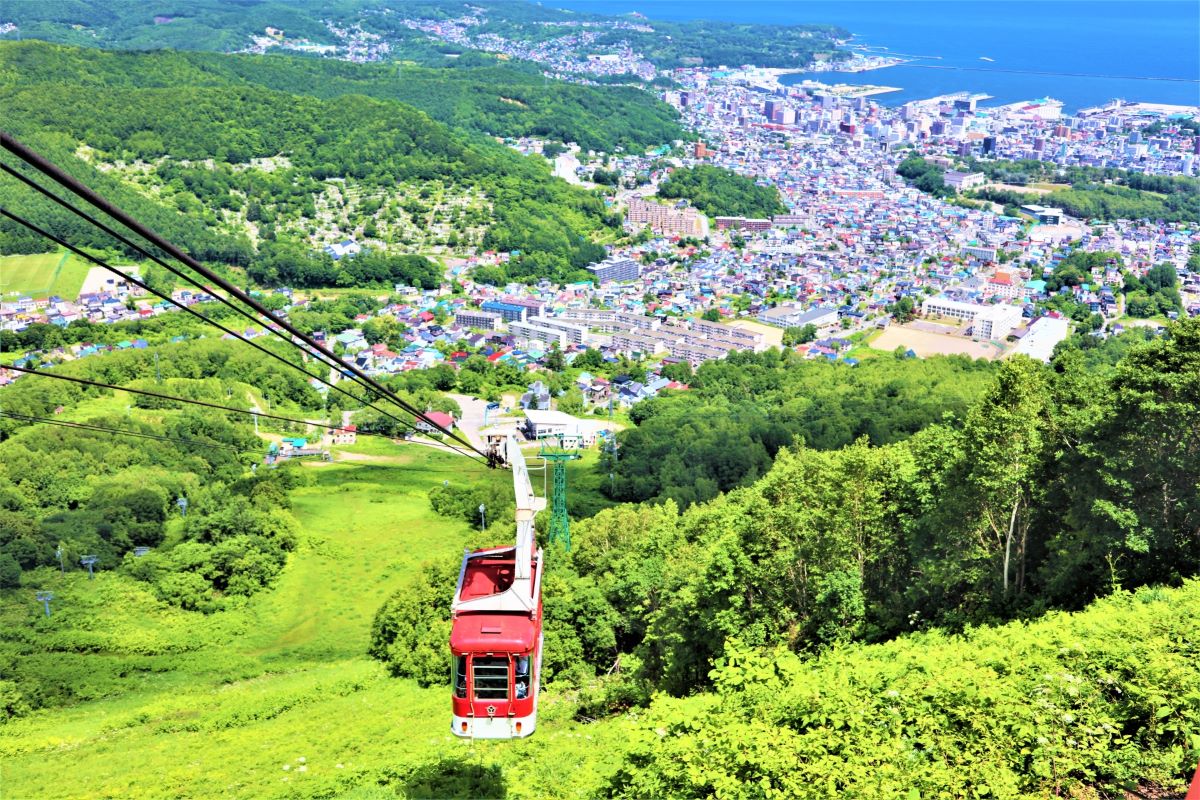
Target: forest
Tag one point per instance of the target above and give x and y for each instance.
(375, 144)
(725, 431)
(720, 192)
(475, 92)
(1043, 495)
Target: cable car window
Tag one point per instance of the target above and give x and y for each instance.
(490, 678)
(460, 677)
(521, 679)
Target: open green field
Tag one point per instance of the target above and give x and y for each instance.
(42, 275)
(275, 698)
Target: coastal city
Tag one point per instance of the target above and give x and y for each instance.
(855, 240)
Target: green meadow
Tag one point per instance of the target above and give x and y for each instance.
(42, 275)
(276, 697)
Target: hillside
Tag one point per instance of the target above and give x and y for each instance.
(479, 93)
(234, 171)
(719, 192)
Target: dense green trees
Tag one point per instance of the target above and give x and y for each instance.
(925, 175)
(741, 410)
(483, 95)
(721, 192)
(1096, 193)
(292, 264)
(1155, 293)
(90, 492)
(1074, 704)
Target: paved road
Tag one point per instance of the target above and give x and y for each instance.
(472, 417)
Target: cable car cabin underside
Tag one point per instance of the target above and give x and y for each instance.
(496, 641)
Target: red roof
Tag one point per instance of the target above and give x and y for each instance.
(440, 418)
(492, 632)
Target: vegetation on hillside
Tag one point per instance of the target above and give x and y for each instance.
(201, 144)
(1041, 493)
(1105, 700)
(212, 25)
(726, 430)
(721, 192)
(71, 492)
(477, 93)
(1086, 192)
(1042, 496)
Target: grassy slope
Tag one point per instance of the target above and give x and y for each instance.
(283, 678)
(39, 275)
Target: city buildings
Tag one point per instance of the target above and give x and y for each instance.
(483, 320)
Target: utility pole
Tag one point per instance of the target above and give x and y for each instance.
(44, 598)
(157, 371)
(482, 517)
(89, 562)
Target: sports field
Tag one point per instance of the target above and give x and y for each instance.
(42, 275)
(927, 343)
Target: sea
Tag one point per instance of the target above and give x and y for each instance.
(1083, 53)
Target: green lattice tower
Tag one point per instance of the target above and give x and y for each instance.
(560, 522)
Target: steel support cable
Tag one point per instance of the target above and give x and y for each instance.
(188, 401)
(74, 185)
(151, 256)
(82, 254)
(124, 431)
(339, 365)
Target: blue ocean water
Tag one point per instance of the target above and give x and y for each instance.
(1082, 52)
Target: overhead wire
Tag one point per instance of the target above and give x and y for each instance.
(72, 184)
(141, 284)
(128, 242)
(191, 401)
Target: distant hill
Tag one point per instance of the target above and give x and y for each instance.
(230, 25)
(478, 93)
(253, 168)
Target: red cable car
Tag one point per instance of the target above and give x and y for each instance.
(496, 638)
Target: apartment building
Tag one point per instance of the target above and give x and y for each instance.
(615, 269)
(483, 320)
(575, 334)
(528, 333)
(664, 220)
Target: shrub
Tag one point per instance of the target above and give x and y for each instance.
(10, 572)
